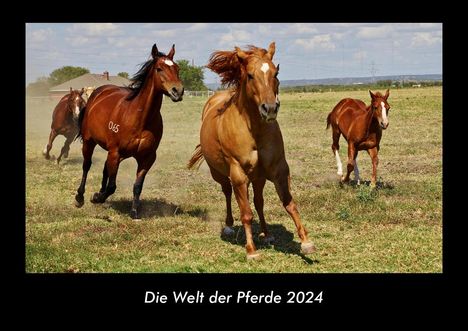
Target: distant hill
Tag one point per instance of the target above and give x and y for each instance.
(350, 80)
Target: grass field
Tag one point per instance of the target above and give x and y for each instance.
(397, 228)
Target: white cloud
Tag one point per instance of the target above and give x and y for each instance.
(374, 32)
(95, 29)
(40, 35)
(322, 42)
(235, 36)
(425, 39)
(198, 27)
(165, 33)
(302, 28)
(78, 40)
(360, 55)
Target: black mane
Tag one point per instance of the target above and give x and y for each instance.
(138, 80)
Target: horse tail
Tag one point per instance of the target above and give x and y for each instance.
(80, 123)
(329, 120)
(197, 158)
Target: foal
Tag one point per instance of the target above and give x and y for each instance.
(65, 121)
(362, 128)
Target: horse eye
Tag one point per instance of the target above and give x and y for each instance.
(159, 69)
(250, 76)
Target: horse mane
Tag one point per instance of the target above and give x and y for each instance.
(139, 79)
(227, 65)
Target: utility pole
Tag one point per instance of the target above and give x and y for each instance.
(373, 70)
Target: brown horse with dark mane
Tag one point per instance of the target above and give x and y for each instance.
(241, 140)
(127, 122)
(65, 121)
(361, 126)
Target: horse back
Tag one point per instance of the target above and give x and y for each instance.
(62, 118)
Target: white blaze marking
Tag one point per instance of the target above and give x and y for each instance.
(356, 173)
(384, 113)
(265, 67)
(338, 163)
(77, 110)
(168, 62)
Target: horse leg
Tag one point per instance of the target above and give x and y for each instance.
(240, 183)
(98, 197)
(335, 148)
(356, 172)
(282, 183)
(227, 190)
(352, 153)
(65, 148)
(258, 186)
(112, 165)
(53, 134)
(88, 148)
(373, 153)
(144, 166)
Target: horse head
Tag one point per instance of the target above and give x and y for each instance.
(259, 75)
(166, 73)
(380, 107)
(76, 102)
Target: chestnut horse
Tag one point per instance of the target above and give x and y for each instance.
(362, 128)
(241, 140)
(65, 121)
(126, 121)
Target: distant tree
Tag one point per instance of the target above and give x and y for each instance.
(384, 83)
(123, 74)
(61, 75)
(39, 88)
(191, 76)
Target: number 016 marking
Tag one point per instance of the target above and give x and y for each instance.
(114, 127)
(304, 297)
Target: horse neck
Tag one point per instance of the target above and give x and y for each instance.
(149, 99)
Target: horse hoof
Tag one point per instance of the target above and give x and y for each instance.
(253, 256)
(79, 203)
(228, 231)
(268, 239)
(97, 198)
(134, 215)
(307, 248)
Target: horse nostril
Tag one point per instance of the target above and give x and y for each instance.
(264, 107)
(174, 90)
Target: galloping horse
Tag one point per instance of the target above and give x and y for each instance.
(65, 121)
(126, 121)
(362, 128)
(241, 140)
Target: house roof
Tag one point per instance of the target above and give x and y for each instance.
(85, 80)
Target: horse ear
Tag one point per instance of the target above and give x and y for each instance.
(372, 95)
(82, 91)
(71, 89)
(271, 50)
(171, 52)
(387, 94)
(241, 55)
(154, 51)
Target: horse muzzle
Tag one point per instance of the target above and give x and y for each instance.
(269, 111)
(384, 125)
(176, 93)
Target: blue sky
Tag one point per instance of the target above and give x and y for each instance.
(304, 50)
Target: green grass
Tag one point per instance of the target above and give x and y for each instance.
(397, 228)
